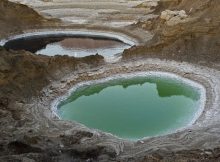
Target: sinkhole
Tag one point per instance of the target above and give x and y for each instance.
(77, 44)
(134, 107)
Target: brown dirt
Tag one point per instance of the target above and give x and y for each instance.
(24, 74)
(195, 41)
(17, 17)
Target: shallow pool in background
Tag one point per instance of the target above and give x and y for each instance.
(72, 45)
(133, 108)
(81, 47)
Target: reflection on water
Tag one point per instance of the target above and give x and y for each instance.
(81, 47)
(165, 87)
(88, 43)
(133, 108)
(67, 45)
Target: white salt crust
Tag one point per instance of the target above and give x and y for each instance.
(91, 33)
(198, 87)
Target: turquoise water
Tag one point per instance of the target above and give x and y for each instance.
(133, 108)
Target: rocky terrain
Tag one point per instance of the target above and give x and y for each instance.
(184, 31)
(17, 17)
(186, 41)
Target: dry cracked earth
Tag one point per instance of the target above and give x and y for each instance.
(177, 36)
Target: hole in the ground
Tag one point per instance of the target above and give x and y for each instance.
(134, 108)
(77, 45)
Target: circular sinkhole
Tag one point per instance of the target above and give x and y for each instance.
(135, 107)
(77, 44)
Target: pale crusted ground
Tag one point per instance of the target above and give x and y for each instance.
(114, 13)
(111, 14)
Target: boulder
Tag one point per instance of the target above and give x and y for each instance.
(173, 17)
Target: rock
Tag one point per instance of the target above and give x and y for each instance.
(16, 17)
(173, 17)
(4, 102)
(186, 30)
(4, 66)
(25, 159)
(144, 25)
(20, 147)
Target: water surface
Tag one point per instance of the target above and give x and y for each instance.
(133, 108)
(77, 46)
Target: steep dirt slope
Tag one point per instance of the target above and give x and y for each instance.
(195, 38)
(17, 17)
(23, 74)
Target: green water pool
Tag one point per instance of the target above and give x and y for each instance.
(133, 108)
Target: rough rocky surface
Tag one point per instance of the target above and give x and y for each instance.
(173, 17)
(18, 17)
(23, 73)
(194, 37)
(29, 84)
(23, 76)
